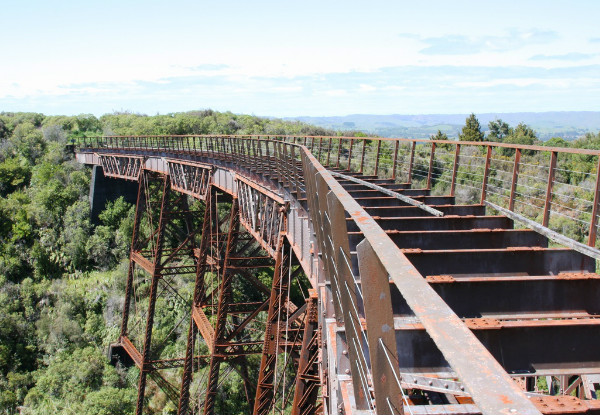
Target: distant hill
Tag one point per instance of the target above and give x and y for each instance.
(566, 124)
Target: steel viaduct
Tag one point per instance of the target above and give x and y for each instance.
(343, 275)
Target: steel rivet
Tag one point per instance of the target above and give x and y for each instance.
(430, 382)
(347, 371)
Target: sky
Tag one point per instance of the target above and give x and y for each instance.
(301, 58)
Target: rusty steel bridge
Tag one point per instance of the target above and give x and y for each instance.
(338, 275)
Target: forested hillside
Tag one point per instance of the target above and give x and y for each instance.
(62, 278)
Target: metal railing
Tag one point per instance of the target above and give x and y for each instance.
(509, 175)
(556, 187)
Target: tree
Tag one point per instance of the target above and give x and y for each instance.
(557, 142)
(522, 134)
(439, 136)
(472, 130)
(590, 140)
(3, 130)
(498, 130)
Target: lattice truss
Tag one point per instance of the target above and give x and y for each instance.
(215, 300)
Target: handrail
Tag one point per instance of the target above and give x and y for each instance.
(520, 178)
(491, 387)
(275, 137)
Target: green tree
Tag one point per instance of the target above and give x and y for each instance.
(439, 136)
(472, 130)
(498, 130)
(14, 174)
(557, 142)
(590, 140)
(28, 141)
(522, 134)
(3, 130)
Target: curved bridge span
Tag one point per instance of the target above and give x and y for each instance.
(340, 275)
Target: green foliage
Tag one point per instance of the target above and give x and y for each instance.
(590, 140)
(110, 241)
(62, 279)
(472, 130)
(439, 136)
(79, 382)
(4, 132)
(203, 122)
(522, 134)
(498, 130)
(14, 174)
(109, 401)
(557, 142)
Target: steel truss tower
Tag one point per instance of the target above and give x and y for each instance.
(249, 312)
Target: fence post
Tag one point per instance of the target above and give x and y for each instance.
(594, 220)
(486, 172)
(350, 153)
(548, 202)
(377, 157)
(320, 147)
(379, 316)
(395, 162)
(410, 162)
(454, 170)
(362, 157)
(515, 177)
(430, 166)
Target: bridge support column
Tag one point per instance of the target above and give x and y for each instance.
(103, 190)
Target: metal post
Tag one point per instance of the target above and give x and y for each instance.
(454, 170)
(594, 219)
(350, 153)
(329, 151)
(395, 162)
(548, 201)
(377, 301)
(337, 164)
(410, 162)
(320, 147)
(430, 171)
(486, 171)
(362, 156)
(377, 158)
(515, 178)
